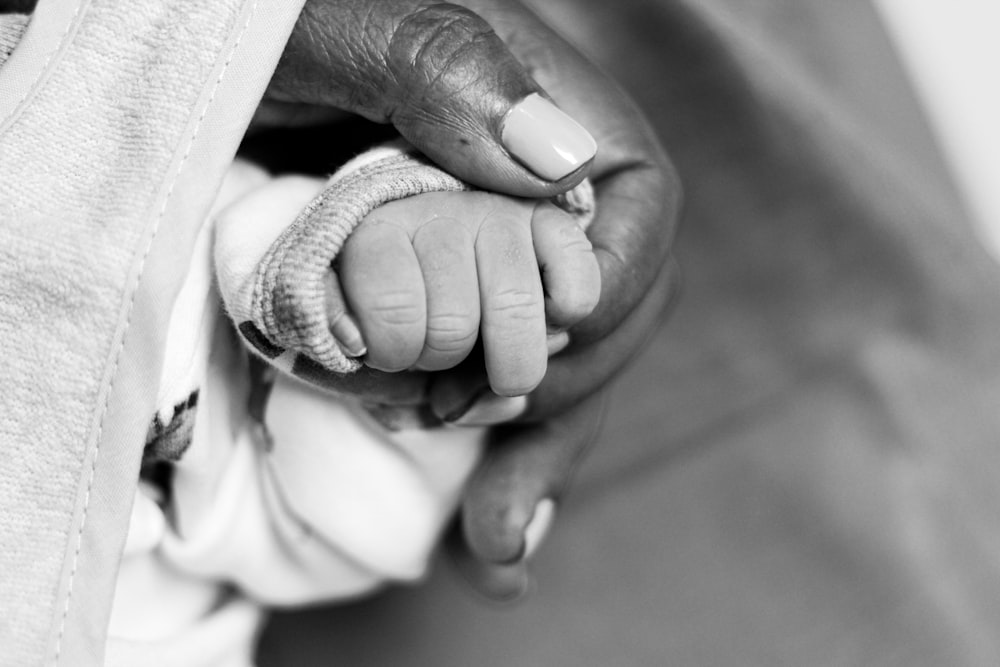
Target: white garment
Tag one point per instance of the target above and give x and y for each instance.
(323, 504)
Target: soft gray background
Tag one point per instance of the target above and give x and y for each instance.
(800, 470)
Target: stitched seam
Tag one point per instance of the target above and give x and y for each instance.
(43, 70)
(133, 291)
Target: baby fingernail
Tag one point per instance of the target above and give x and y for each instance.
(546, 139)
(557, 342)
(491, 409)
(349, 336)
(538, 528)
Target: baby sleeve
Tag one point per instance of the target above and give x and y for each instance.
(272, 276)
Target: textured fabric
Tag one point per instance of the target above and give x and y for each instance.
(317, 503)
(282, 304)
(288, 304)
(314, 504)
(277, 493)
(192, 325)
(12, 26)
(117, 120)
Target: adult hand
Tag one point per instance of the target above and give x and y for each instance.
(458, 91)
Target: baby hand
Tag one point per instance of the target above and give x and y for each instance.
(425, 276)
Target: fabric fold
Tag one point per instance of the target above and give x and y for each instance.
(117, 122)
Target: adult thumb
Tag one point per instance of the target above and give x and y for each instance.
(445, 80)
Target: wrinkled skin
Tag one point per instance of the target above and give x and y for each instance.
(440, 74)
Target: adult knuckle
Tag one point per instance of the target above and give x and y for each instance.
(439, 43)
(434, 35)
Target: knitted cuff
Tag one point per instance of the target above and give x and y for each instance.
(12, 27)
(287, 309)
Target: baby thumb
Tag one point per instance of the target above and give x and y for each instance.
(447, 82)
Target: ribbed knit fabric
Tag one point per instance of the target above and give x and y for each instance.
(117, 122)
(289, 294)
(12, 27)
(286, 308)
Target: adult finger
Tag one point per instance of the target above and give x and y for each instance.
(510, 504)
(638, 191)
(631, 256)
(583, 369)
(497, 582)
(366, 384)
(439, 73)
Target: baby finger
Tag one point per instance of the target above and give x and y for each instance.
(385, 290)
(569, 267)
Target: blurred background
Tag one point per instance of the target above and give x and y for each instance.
(801, 468)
